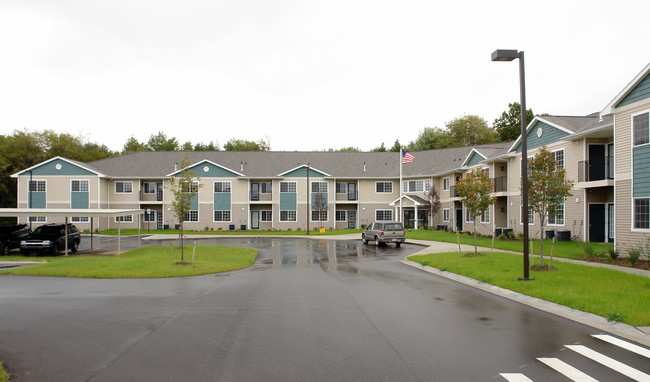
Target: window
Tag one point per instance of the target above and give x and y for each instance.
(37, 219)
(640, 127)
(445, 214)
(288, 187)
(318, 187)
(642, 213)
(37, 186)
(222, 187)
(558, 157)
(266, 188)
(191, 216)
(266, 216)
(79, 186)
(558, 217)
(149, 217)
(416, 185)
(319, 216)
(341, 188)
(384, 187)
(79, 219)
(123, 187)
(288, 216)
(531, 213)
(485, 216)
(192, 187)
(486, 171)
(221, 216)
(445, 184)
(124, 219)
(341, 216)
(149, 188)
(468, 217)
(383, 215)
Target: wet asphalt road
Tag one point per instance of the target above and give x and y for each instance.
(307, 310)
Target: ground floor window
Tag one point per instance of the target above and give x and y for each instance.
(124, 219)
(79, 219)
(383, 215)
(288, 216)
(558, 216)
(485, 216)
(445, 215)
(191, 216)
(642, 213)
(37, 219)
(266, 216)
(149, 216)
(319, 216)
(468, 217)
(221, 216)
(341, 216)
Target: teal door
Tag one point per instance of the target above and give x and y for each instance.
(597, 223)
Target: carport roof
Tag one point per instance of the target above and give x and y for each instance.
(27, 212)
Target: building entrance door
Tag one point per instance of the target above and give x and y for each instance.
(597, 223)
(255, 220)
(352, 219)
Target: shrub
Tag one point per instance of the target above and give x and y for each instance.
(588, 249)
(633, 255)
(501, 237)
(613, 253)
(289, 229)
(86, 231)
(219, 229)
(297, 229)
(520, 235)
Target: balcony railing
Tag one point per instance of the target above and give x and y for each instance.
(349, 196)
(260, 196)
(596, 169)
(500, 183)
(452, 192)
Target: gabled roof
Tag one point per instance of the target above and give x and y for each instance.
(206, 161)
(609, 109)
(82, 165)
(417, 201)
(309, 168)
(471, 154)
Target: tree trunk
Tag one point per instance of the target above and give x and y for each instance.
(180, 232)
(541, 248)
(460, 253)
(475, 246)
(550, 262)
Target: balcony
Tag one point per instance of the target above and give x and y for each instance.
(596, 169)
(260, 197)
(350, 196)
(452, 192)
(500, 184)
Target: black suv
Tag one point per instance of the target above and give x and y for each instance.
(51, 238)
(11, 236)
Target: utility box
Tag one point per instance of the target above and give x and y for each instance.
(563, 235)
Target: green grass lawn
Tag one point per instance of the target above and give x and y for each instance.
(148, 262)
(615, 295)
(566, 249)
(4, 375)
(143, 231)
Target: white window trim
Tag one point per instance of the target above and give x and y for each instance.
(127, 219)
(123, 181)
(384, 220)
(386, 182)
(634, 229)
(36, 220)
(563, 217)
(80, 181)
(198, 217)
(79, 219)
(489, 216)
(311, 216)
(311, 187)
(289, 192)
(632, 147)
(448, 218)
(563, 156)
(287, 211)
(152, 191)
(153, 213)
(345, 215)
(36, 181)
(447, 181)
(467, 216)
(222, 182)
(632, 130)
(223, 221)
(269, 213)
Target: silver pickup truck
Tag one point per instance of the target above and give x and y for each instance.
(384, 232)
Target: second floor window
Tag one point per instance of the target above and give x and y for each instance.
(384, 187)
(319, 187)
(123, 187)
(37, 186)
(641, 129)
(222, 187)
(79, 186)
(288, 187)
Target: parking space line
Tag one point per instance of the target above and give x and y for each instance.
(567, 370)
(515, 377)
(623, 344)
(611, 363)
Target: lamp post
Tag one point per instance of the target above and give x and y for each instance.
(509, 55)
(29, 188)
(308, 200)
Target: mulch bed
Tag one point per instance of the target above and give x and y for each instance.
(621, 262)
(472, 254)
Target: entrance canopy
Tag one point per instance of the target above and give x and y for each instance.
(81, 212)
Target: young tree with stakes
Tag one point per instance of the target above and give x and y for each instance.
(320, 206)
(184, 190)
(475, 190)
(432, 203)
(548, 186)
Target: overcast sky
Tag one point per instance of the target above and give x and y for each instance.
(309, 75)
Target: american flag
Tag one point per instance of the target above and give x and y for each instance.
(407, 157)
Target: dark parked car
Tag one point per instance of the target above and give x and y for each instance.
(11, 236)
(50, 238)
(384, 232)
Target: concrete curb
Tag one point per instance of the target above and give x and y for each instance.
(639, 335)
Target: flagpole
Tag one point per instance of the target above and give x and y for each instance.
(400, 186)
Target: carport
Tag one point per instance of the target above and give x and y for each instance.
(67, 212)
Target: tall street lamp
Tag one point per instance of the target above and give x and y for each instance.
(509, 55)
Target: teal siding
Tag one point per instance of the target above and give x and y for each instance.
(313, 197)
(302, 173)
(288, 202)
(194, 202)
(38, 200)
(550, 135)
(222, 201)
(640, 92)
(67, 169)
(641, 172)
(78, 200)
(476, 159)
(213, 171)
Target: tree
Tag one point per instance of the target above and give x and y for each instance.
(320, 206)
(470, 130)
(187, 146)
(380, 149)
(132, 145)
(475, 190)
(431, 138)
(508, 125)
(160, 142)
(207, 147)
(396, 147)
(184, 188)
(244, 145)
(433, 202)
(548, 186)
(349, 149)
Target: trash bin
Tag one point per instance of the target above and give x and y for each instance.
(231, 227)
(563, 235)
(551, 233)
(441, 227)
(498, 231)
(242, 227)
(165, 226)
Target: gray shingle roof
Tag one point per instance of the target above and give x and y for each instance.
(579, 124)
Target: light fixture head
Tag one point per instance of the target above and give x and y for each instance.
(505, 55)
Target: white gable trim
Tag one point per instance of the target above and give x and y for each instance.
(609, 109)
(206, 161)
(53, 159)
(530, 126)
(304, 165)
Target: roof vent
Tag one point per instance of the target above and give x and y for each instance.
(364, 166)
(242, 166)
(176, 166)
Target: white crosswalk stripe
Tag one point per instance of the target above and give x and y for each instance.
(611, 363)
(623, 344)
(515, 377)
(567, 370)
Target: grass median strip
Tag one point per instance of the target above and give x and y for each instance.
(614, 295)
(148, 262)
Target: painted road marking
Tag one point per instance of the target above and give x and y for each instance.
(623, 344)
(567, 370)
(611, 363)
(515, 377)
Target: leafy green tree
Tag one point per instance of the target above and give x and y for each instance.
(548, 186)
(431, 138)
(187, 146)
(508, 125)
(244, 145)
(470, 130)
(184, 190)
(380, 149)
(160, 142)
(346, 149)
(396, 147)
(475, 190)
(132, 145)
(210, 146)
